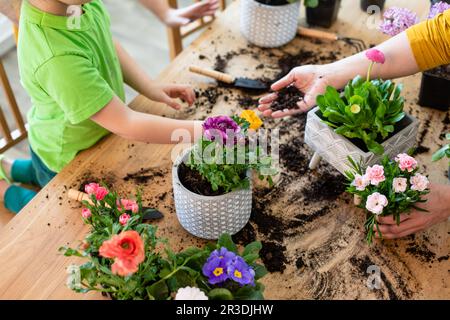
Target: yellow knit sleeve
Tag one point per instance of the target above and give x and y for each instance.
(430, 41)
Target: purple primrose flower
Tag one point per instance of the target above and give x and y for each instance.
(397, 20)
(221, 127)
(438, 8)
(241, 272)
(216, 267)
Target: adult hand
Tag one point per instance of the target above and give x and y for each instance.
(310, 79)
(182, 16)
(168, 93)
(438, 206)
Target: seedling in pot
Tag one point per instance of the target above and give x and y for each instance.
(367, 110)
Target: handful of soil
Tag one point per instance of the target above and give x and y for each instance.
(287, 99)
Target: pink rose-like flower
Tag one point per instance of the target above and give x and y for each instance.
(125, 204)
(419, 182)
(375, 174)
(376, 202)
(360, 182)
(91, 188)
(399, 184)
(375, 55)
(406, 162)
(101, 193)
(123, 219)
(86, 213)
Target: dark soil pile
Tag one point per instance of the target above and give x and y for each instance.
(194, 182)
(144, 175)
(287, 99)
(441, 72)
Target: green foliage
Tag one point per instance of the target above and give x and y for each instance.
(308, 3)
(227, 167)
(443, 152)
(163, 271)
(367, 110)
(398, 203)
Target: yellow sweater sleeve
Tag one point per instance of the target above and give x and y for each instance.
(430, 41)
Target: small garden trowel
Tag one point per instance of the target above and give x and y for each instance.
(243, 83)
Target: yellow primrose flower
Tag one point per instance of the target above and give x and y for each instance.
(252, 118)
(355, 108)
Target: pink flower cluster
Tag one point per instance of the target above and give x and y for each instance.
(374, 175)
(406, 162)
(95, 189)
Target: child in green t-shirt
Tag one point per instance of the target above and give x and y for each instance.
(74, 73)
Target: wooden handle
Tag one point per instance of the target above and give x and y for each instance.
(78, 196)
(212, 74)
(318, 34)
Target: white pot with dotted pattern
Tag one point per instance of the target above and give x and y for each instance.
(209, 217)
(269, 26)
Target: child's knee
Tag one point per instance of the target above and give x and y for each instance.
(16, 198)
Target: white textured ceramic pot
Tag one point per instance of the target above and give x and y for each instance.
(269, 26)
(335, 148)
(210, 217)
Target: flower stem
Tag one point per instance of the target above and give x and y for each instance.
(370, 70)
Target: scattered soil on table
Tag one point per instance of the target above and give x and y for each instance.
(272, 254)
(421, 252)
(287, 99)
(194, 182)
(144, 175)
(106, 178)
(328, 187)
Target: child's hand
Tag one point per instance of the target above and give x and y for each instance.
(182, 16)
(167, 93)
(308, 79)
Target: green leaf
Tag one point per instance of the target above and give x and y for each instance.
(158, 290)
(441, 153)
(68, 252)
(260, 271)
(252, 248)
(226, 241)
(220, 294)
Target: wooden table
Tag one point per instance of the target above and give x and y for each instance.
(317, 243)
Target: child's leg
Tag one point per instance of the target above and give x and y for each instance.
(22, 171)
(42, 174)
(15, 198)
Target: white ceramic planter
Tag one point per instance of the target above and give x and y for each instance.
(210, 217)
(335, 148)
(269, 26)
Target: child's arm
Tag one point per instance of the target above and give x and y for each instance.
(127, 123)
(10, 8)
(137, 79)
(179, 17)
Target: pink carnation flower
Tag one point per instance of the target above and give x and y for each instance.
(376, 202)
(123, 219)
(419, 182)
(125, 204)
(86, 213)
(360, 182)
(375, 174)
(399, 184)
(91, 188)
(94, 188)
(375, 55)
(406, 162)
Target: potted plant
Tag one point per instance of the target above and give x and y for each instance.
(363, 122)
(271, 23)
(441, 153)
(212, 180)
(126, 260)
(435, 83)
(391, 188)
(324, 14)
(365, 4)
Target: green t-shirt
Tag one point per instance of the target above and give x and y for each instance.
(71, 71)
